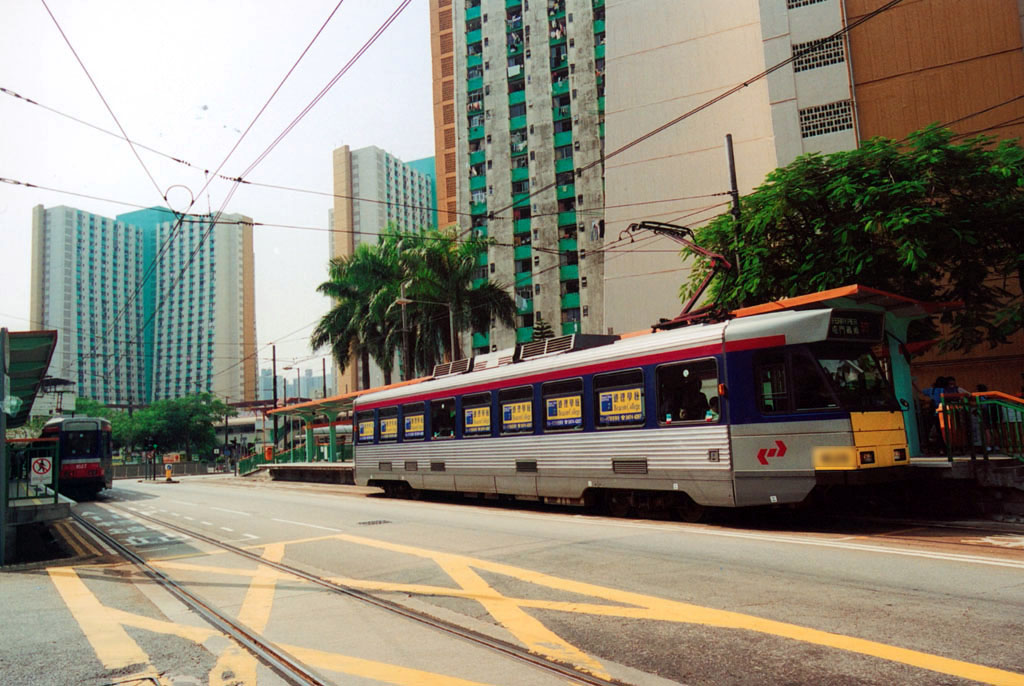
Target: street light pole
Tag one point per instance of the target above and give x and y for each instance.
(403, 301)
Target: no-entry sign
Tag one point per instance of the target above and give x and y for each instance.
(42, 471)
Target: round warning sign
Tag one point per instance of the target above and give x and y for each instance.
(42, 470)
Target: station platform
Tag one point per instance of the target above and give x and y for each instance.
(314, 472)
(28, 504)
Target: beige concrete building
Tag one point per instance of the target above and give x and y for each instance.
(373, 190)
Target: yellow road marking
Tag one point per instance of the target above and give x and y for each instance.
(236, 666)
(112, 645)
(196, 634)
(650, 607)
(535, 636)
(380, 671)
(255, 611)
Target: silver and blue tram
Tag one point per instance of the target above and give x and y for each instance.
(750, 411)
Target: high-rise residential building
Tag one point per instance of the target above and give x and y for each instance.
(527, 111)
(86, 272)
(146, 311)
(374, 190)
(945, 61)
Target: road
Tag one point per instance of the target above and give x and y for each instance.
(639, 602)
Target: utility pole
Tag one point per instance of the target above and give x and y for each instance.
(5, 470)
(734, 191)
(273, 349)
(324, 361)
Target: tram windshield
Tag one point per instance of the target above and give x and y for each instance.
(856, 376)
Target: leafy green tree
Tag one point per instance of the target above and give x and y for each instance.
(542, 330)
(927, 218)
(186, 424)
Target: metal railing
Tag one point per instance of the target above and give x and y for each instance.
(343, 453)
(980, 424)
(24, 454)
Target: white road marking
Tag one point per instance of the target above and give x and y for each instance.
(224, 528)
(206, 523)
(191, 519)
(315, 526)
(833, 543)
(221, 509)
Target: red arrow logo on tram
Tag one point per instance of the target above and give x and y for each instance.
(778, 451)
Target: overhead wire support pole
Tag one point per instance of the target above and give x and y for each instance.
(734, 192)
(684, 235)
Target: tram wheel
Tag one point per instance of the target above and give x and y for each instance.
(687, 510)
(619, 503)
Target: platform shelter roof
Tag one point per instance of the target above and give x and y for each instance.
(30, 353)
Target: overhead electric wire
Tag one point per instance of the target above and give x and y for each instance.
(209, 179)
(348, 65)
(74, 52)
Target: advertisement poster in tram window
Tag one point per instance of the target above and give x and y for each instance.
(565, 412)
(623, 406)
(517, 416)
(413, 426)
(478, 420)
(388, 428)
(366, 431)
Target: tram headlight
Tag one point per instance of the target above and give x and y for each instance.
(899, 455)
(867, 457)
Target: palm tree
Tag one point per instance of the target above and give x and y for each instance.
(441, 272)
(363, 286)
(437, 271)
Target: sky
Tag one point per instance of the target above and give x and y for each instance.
(186, 78)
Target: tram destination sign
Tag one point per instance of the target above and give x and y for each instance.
(852, 325)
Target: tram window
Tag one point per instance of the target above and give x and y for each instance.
(476, 414)
(364, 427)
(412, 422)
(619, 398)
(387, 423)
(80, 443)
(688, 392)
(772, 389)
(442, 418)
(563, 405)
(810, 389)
(516, 410)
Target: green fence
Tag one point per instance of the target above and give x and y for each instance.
(24, 459)
(982, 424)
(343, 454)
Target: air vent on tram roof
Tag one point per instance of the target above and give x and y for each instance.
(495, 359)
(457, 367)
(563, 344)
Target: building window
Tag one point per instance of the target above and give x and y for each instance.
(823, 119)
(819, 53)
(794, 4)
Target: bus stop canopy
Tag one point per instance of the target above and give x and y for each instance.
(30, 353)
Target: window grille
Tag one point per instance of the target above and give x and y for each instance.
(823, 119)
(819, 53)
(795, 4)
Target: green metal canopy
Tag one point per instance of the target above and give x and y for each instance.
(30, 358)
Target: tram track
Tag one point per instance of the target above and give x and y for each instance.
(282, 663)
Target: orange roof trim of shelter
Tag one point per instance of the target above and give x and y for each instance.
(861, 295)
(338, 401)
